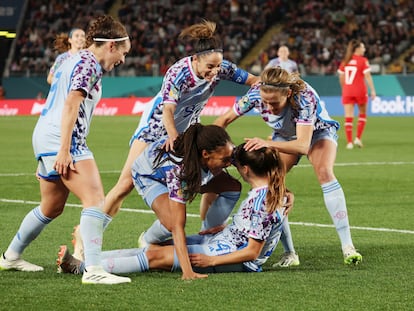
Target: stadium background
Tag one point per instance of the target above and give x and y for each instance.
(315, 31)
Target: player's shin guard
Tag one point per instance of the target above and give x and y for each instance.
(220, 209)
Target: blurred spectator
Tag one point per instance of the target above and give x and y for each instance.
(2, 92)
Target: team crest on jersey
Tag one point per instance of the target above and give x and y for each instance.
(174, 93)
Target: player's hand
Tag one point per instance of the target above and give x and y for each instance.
(255, 143)
(194, 276)
(169, 143)
(63, 164)
(289, 203)
(201, 260)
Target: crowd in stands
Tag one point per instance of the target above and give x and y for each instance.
(316, 33)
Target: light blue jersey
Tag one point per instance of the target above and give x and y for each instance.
(150, 182)
(80, 72)
(288, 65)
(311, 111)
(250, 221)
(182, 88)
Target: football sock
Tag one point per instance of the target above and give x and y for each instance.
(128, 264)
(335, 203)
(33, 223)
(286, 237)
(362, 120)
(91, 229)
(220, 210)
(349, 128)
(157, 233)
(107, 221)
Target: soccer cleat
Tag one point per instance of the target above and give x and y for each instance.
(358, 143)
(141, 241)
(288, 259)
(18, 265)
(97, 275)
(349, 146)
(66, 262)
(351, 256)
(77, 244)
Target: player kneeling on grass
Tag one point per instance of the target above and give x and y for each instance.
(244, 245)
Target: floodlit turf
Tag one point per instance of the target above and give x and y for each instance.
(378, 184)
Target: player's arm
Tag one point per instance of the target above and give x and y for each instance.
(249, 253)
(168, 121)
(226, 118)
(341, 77)
(178, 213)
(370, 83)
(300, 145)
(252, 79)
(70, 114)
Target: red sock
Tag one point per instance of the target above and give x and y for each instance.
(348, 128)
(362, 120)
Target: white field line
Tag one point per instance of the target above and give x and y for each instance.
(148, 211)
(233, 168)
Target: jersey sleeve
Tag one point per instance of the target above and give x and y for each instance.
(230, 71)
(248, 101)
(86, 74)
(175, 186)
(308, 101)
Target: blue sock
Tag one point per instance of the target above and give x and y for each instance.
(157, 233)
(220, 210)
(91, 228)
(335, 203)
(33, 223)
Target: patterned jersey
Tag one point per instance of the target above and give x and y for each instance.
(59, 60)
(182, 88)
(253, 221)
(354, 79)
(81, 72)
(288, 65)
(167, 173)
(311, 111)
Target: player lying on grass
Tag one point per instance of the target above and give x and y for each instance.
(244, 245)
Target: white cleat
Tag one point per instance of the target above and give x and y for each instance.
(97, 275)
(288, 259)
(349, 146)
(358, 143)
(18, 265)
(141, 241)
(351, 256)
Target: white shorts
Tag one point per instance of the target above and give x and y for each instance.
(45, 165)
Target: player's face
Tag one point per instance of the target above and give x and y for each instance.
(207, 66)
(116, 55)
(275, 101)
(218, 159)
(78, 39)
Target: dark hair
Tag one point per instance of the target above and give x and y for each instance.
(107, 27)
(202, 37)
(350, 50)
(265, 162)
(189, 147)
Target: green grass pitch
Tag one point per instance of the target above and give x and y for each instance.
(378, 183)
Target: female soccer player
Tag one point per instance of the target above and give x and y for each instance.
(244, 245)
(186, 88)
(65, 163)
(67, 45)
(352, 71)
(301, 126)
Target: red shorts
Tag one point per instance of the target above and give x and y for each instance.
(360, 100)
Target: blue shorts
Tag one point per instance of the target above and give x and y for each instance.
(149, 189)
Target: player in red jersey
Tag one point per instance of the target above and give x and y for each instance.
(353, 71)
